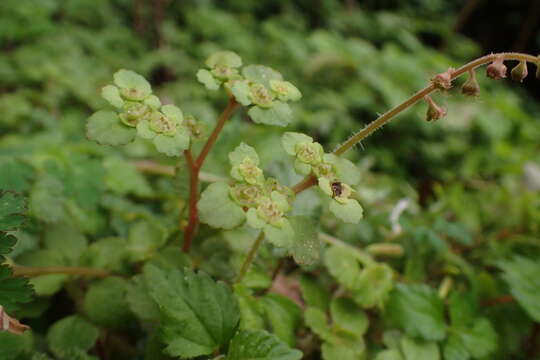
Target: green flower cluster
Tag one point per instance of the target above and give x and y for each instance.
(139, 112)
(258, 87)
(334, 174)
(261, 202)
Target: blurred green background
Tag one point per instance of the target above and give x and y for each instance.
(471, 179)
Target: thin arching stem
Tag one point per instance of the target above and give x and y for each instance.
(250, 257)
(28, 271)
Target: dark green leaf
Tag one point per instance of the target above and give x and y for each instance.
(251, 345)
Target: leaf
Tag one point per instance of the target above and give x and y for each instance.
(112, 94)
(12, 207)
(342, 265)
(172, 145)
(480, 339)
(105, 303)
(306, 249)
(65, 239)
(289, 140)
(144, 238)
(241, 152)
(72, 332)
(240, 90)
(224, 58)
(108, 253)
(454, 349)
(217, 209)
(261, 74)
(392, 354)
(350, 212)
(280, 114)
(105, 128)
(316, 320)
(206, 78)
(123, 177)
(131, 80)
(198, 315)
(283, 315)
(418, 310)
(343, 351)
(13, 290)
(12, 345)
(521, 275)
(258, 344)
(373, 286)
(348, 317)
(47, 199)
(313, 293)
(414, 349)
(44, 285)
(139, 299)
(280, 236)
(16, 175)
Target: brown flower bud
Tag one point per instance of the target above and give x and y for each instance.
(471, 87)
(497, 70)
(519, 72)
(443, 80)
(434, 112)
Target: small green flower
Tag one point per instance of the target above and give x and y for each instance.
(132, 85)
(273, 185)
(248, 171)
(309, 153)
(324, 170)
(260, 95)
(247, 195)
(133, 112)
(270, 210)
(223, 67)
(162, 124)
(285, 91)
(225, 73)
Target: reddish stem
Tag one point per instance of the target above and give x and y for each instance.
(194, 168)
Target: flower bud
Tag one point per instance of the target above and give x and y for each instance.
(434, 111)
(497, 70)
(519, 72)
(443, 80)
(471, 87)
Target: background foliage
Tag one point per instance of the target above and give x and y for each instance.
(467, 185)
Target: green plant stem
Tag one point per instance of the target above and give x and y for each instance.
(152, 167)
(250, 257)
(389, 115)
(28, 271)
(194, 167)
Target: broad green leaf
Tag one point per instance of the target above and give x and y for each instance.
(123, 178)
(173, 112)
(251, 309)
(12, 208)
(65, 239)
(280, 114)
(346, 171)
(240, 90)
(373, 286)
(454, 349)
(306, 249)
(418, 310)
(261, 74)
(414, 349)
(206, 78)
(342, 265)
(217, 209)
(313, 293)
(480, 339)
(283, 315)
(44, 285)
(224, 58)
(112, 94)
(348, 317)
(391, 354)
(289, 140)
(316, 320)
(139, 299)
(350, 212)
(127, 79)
(462, 309)
(47, 200)
(12, 346)
(144, 238)
(280, 236)
(521, 275)
(16, 175)
(198, 315)
(108, 253)
(105, 303)
(347, 350)
(72, 332)
(241, 152)
(105, 127)
(258, 344)
(172, 145)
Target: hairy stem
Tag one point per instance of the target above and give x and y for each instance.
(37, 271)
(250, 257)
(389, 115)
(194, 168)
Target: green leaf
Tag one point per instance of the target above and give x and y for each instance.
(344, 350)
(280, 114)
(139, 299)
(258, 344)
(65, 239)
(414, 349)
(224, 58)
(123, 178)
(261, 74)
(12, 208)
(285, 91)
(13, 290)
(251, 309)
(241, 152)
(521, 275)
(206, 78)
(47, 199)
(72, 332)
(127, 79)
(280, 236)
(240, 90)
(107, 253)
(105, 128)
(105, 303)
(198, 315)
(144, 238)
(373, 286)
(283, 315)
(348, 317)
(289, 140)
(12, 346)
(306, 248)
(350, 212)
(217, 209)
(480, 339)
(392, 354)
(313, 293)
(342, 265)
(172, 145)
(112, 94)
(316, 320)
(418, 310)
(44, 285)
(454, 349)
(16, 175)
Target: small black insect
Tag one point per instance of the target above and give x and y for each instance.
(337, 189)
